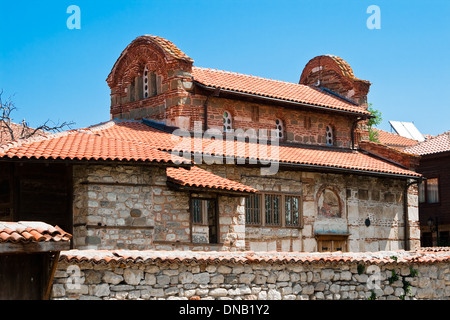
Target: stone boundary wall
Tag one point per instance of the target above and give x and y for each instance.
(189, 275)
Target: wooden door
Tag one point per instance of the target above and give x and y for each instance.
(331, 242)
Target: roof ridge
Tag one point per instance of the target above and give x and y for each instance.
(338, 103)
(101, 126)
(248, 75)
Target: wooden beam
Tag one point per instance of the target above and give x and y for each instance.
(54, 264)
(33, 247)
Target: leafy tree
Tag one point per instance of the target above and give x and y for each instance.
(373, 122)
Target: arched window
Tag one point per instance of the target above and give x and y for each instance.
(145, 82)
(329, 137)
(227, 122)
(279, 128)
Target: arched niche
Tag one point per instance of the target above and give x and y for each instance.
(329, 204)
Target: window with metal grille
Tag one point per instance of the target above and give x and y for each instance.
(273, 209)
(269, 209)
(197, 212)
(253, 209)
(291, 211)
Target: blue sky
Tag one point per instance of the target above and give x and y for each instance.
(59, 74)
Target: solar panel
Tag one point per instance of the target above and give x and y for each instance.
(407, 130)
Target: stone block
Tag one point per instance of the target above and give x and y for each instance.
(201, 278)
(101, 290)
(246, 278)
(132, 276)
(218, 292)
(112, 277)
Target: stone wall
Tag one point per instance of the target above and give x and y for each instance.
(131, 207)
(362, 200)
(252, 276)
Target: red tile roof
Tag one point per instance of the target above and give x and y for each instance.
(307, 156)
(437, 144)
(31, 231)
(394, 140)
(85, 144)
(135, 141)
(288, 91)
(200, 178)
(116, 257)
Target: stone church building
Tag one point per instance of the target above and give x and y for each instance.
(204, 159)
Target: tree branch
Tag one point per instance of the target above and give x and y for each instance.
(7, 125)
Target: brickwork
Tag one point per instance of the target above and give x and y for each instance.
(335, 74)
(302, 127)
(181, 103)
(409, 161)
(368, 212)
(173, 78)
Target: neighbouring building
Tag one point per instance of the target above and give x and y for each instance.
(203, 159)
(434, 203)
(29, 254)
(394, 140)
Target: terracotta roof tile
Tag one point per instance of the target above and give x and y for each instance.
(302, 155)
(169, 47)
(394, 140)
(437, 144)
(200, 178)
(31, 231)
(85, 144)
(345, 67)
(288, 91)
(246, 257)
(136, 141)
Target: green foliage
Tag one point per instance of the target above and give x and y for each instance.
(406, 284)
(373, 135)
(377, 116)
(413, 272)
(393, 277)
(376, 120)
(361, 268)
